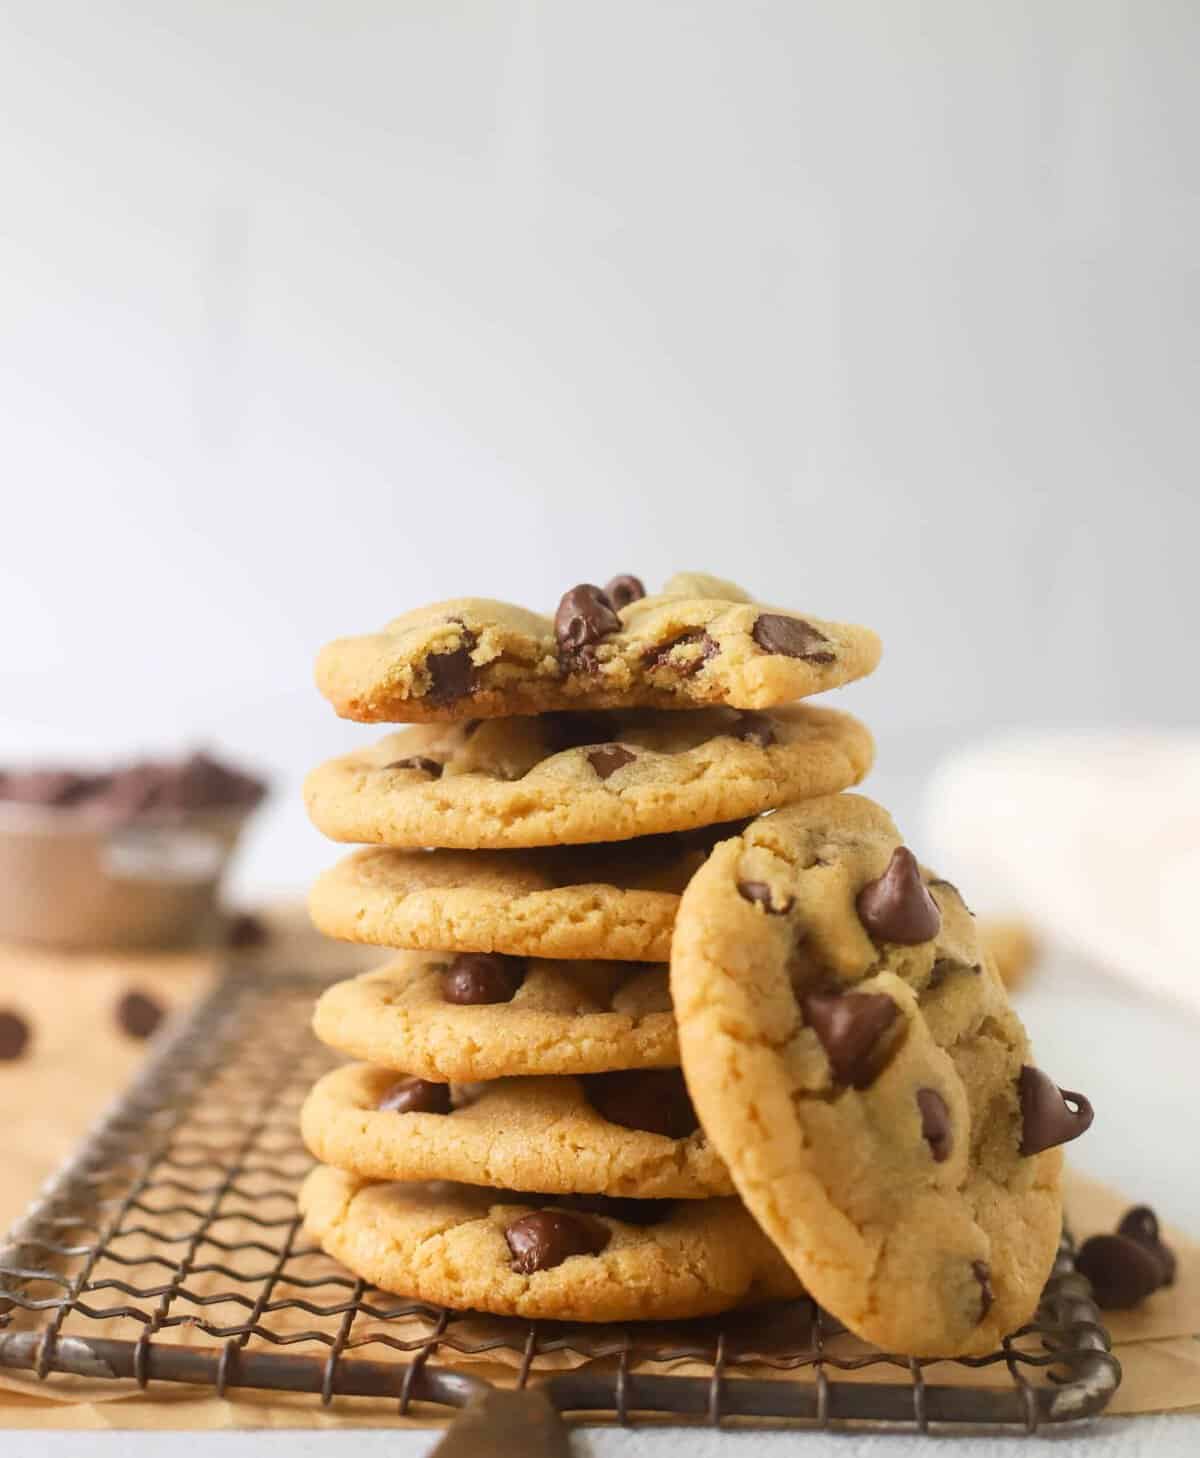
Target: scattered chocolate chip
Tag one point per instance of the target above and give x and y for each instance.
(1049, 1115)
(473, 978)
(935, 1124)
(139, 1015)
(850, 1026)
(623, 590)
(245, 931)
(452, 675)
(1141, 1224)
(759, 893)
(983, 1274)
(609, 758)
(420, 762)
(791, 637)
(416, 1096)
(1122, 1272)
(584, 616)
(898, 907)
(660, 656)
(755, 729)
(14, 1036)
(654, 1100)
(548, 1237)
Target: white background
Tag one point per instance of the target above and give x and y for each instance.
(310, 312)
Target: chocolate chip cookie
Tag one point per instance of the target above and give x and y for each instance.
(603, 901)
(560, 1259)
(852, 1056)
(468, 1016)
(630, 1134)
(578, 778)
(700, 641)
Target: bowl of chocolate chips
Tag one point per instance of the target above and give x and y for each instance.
(127, 857)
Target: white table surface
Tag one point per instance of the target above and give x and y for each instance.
(1137, 1060)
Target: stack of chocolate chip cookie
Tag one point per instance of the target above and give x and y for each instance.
(518, 1137)
(614, 843)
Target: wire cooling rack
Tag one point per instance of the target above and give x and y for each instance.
(169, 1249)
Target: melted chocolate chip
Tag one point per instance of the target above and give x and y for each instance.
(245, 931)
(654, 1100)
(1141, 1225)
(14, 1036)
(1049, 1115)
(416, 1096)
(609, 758)
(420, 762)
(1122, 1272)
(759, 893)
(138, 1015)
(983, 1274)
(850, 1027)
(452, 675)
(623, 590)
(935, 1124)
(584, 616)
(790, 637)
(898, 907)
(755, 729)
(660, 656)
(474, 978)
(548, 1237)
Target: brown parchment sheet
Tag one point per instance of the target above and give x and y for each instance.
(50, 1100)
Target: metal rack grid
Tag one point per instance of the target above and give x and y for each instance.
(169, 1249)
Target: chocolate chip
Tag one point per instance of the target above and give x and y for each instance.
(420, 762)
(48, 787)
(609, 758)
(623, 590)
(548, 1237)
(850, 1026)
(1121, 1271)
(584, 616)
(14, 1036)
(1141, 1224)
(654, 1100)
(759, 893)
(660, 656)
(791, 637)
(451, 675)
(473, 978)
(139, 1015)
(983, 1274)
(1049, 1115)
(935, 1124)
(416, 1096)
(755, 729)
(898, 907)
(245, 931)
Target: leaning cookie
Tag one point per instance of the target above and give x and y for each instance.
(699, 642)
(458, 1019)
(631, 1134)
(604, 901)
(578, 778)
(852, 1056)
(521, 1255)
